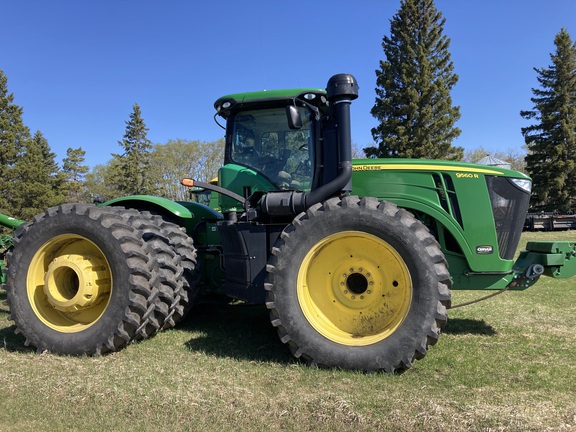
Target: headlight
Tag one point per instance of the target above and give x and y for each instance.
(524, 184)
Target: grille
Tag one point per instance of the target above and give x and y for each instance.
(509, 207)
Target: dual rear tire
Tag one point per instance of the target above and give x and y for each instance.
(85, 280)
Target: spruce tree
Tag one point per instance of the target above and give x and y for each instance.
(74, 173)
(38, 179)
(13, 136)
(413, 103)
(551, 140)
(133, 177)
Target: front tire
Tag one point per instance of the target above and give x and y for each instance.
(358, 284)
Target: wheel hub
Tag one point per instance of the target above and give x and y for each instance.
(358, 283)
(73, 282)
(355, 285)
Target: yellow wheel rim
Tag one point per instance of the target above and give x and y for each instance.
(354, 288)
(69, 283)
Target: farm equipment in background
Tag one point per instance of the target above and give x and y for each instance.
(547, 221)
(355, 260)
(6, 240)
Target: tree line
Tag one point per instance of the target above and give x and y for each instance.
(32, 180)
(144, 168)
(413, 107)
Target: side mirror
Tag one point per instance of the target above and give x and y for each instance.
(294, 119)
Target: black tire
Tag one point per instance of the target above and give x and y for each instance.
(358, 284)
(166, 283)
(184, 247)
(54, 265)
(180, 276)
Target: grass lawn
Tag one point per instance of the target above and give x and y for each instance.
(506, 364)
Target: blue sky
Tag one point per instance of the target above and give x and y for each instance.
(77, 67)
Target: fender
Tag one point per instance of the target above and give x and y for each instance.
(189, 213)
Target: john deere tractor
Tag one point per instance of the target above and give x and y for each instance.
(355, 260)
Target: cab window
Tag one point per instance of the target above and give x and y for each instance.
(263, 141)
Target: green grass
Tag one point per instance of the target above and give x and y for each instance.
(508, 364)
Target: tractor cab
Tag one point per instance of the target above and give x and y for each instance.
(282, 146)
(271, 141)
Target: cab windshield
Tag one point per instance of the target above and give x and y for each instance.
(263, 141)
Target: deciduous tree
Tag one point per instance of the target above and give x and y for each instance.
(178, 159)
(515, 157)
(99, 183)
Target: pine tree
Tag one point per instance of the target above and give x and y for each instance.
(413, 103)
(74, 173)
(13, 135)
(551, 140)
(134, 163)
(38, 179)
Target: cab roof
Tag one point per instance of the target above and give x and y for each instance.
(225, 104)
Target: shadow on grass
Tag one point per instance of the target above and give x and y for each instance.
(461, 326)
(238, 331)
(9, 340)
(244, 332)
(12, 342)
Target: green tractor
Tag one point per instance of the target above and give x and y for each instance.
(355, 260)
